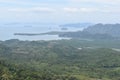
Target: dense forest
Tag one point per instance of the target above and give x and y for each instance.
(86, 35)
(60, 60)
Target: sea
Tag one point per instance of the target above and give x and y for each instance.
(7, 31)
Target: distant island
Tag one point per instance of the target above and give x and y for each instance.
(98, 31)
(64, 28)
(35, 34)
(76, 25)
(27, 34)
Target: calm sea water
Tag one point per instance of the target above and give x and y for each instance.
(7, 31)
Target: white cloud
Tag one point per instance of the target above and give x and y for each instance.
(33, 9)
(42, 9)
(68, 9)
(14, 9)
(99, 1)
(71, 9)
(7, 0)
(89, 9)
(23, 2)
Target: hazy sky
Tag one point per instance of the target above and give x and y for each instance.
(60, 11)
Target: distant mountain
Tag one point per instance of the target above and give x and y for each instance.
(98, 31)
(110, 29)
(77, 25)
(86, 35)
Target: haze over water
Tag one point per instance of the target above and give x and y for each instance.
(7, 31)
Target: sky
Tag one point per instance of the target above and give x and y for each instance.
(60, 11)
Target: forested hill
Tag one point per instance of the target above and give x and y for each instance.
(110, 29)
(59, 60)
(98, 31)
(86, 35)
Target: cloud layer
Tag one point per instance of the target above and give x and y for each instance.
(62, 10)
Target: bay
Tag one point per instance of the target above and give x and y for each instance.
(7, 31)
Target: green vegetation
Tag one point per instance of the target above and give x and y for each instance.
(86, 35)
(59, 60)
